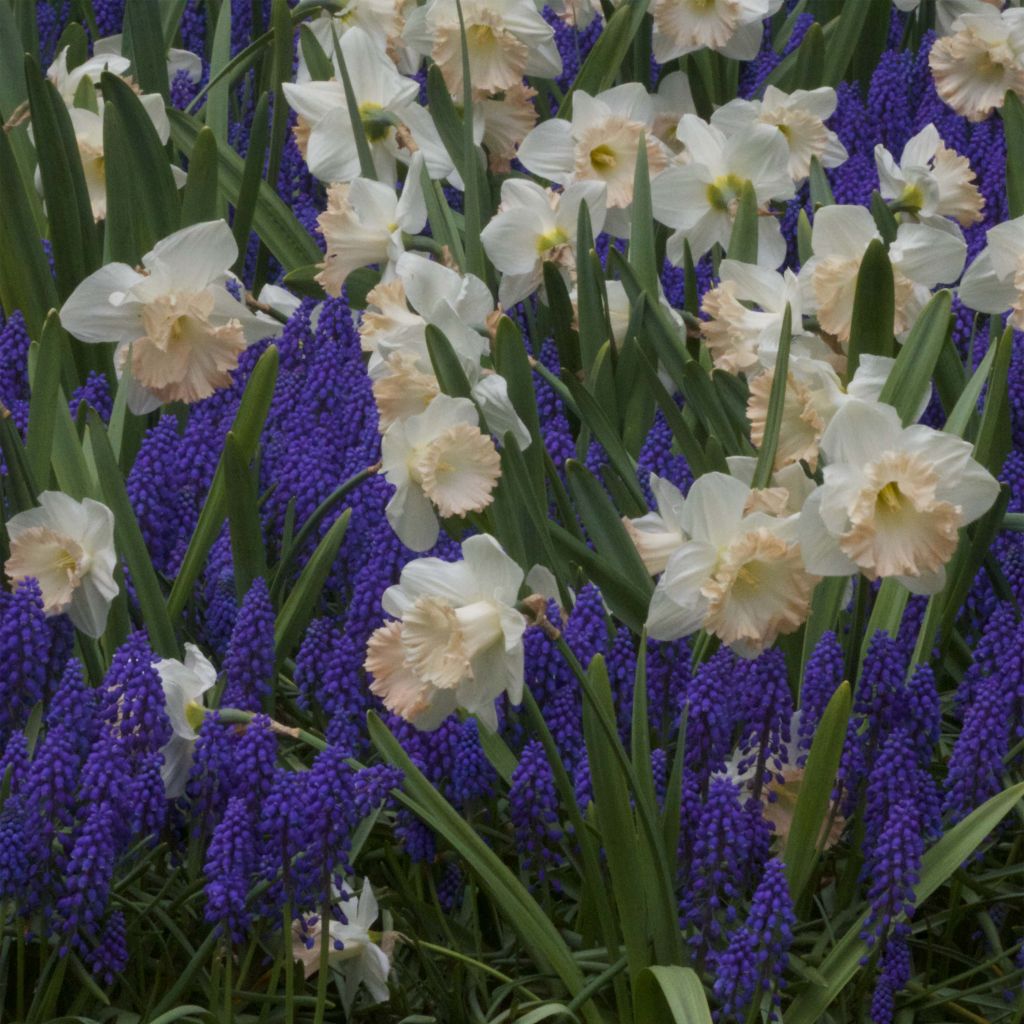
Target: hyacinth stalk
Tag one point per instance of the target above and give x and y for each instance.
(511, 512)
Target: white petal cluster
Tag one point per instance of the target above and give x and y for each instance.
(698, 199)
(994, 282)
(184, 683)
(728, 564)
(67, 547)
(87, 118)
(456, 640)
(179, 331)
(980, 60)
(930, 180)
(731, 27)
(394, 335)
(893, 499)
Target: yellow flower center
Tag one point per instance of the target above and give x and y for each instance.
(376, 122)
(194, 714)
(912, 198)
(603, 158)
(549, 241)
(723, 192)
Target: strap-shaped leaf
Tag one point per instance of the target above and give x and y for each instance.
(672, 995)
(522, 911)
(276, 225)
(843, 963)
(874, 308)
(248, 424)
(131, 543)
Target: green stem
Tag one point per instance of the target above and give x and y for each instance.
(289, 972)
(229, 1008)
(323, 972)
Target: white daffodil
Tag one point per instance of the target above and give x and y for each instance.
(534, 226)
(177, 60)
(893, 499)
(364, 222)
(799, 117)
(578, 13)
(437, 460)
(67, 546)
(660, 533)
(814, 394)
(505, 42)
(786, 493)
(178, 330)
(325, 132)
(600, 143)
(699, 199)
(922, 256)
(980, 61)
(994, 282)
(458, 638)
(352, 953)
(673, 99)
(746, 311)
(395, 336)
(930, 180)
(68, 81)
(947, 11)
(732, 27)
(88, 128)
(381, 20)
(184, 684)
(506, 120)
(738, 572)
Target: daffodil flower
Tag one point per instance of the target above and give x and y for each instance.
(893, 499)
(457, 638)
(179, 332)
(184, 684)
(67, 546)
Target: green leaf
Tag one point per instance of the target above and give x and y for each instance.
(604, 525)
(776, 402)
(200, 201)
(567, 339)
(671, 994)
(810, 817)
(627, 600)
(25, 281)
(743, 239)
(874, 308)
(448, 368)
(995, 432)
(247, 426)
(218, 98)
(248, 553)
(276, 225)
(966, 408)
(842, 44)
(521, 910)
(642, 255)
(594, 416)
(367, 168)
(590, 297)
(144, 45)
(303, 600)
(131, 543)
(247, 198)
(885, 219)
(317, 61)
(821, 190)
(809, 69)
(75, 245)
(151, 196)
(602, 64)
(616, 824)
(1013, 125)
(510, 360)
(45, 397)
(843, 963)
(19, 484)
(910, 379)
